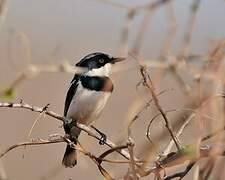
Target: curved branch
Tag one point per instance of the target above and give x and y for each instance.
(32, 143)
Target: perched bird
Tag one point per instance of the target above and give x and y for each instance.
(87, 95)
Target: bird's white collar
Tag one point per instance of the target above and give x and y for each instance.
(103, 71)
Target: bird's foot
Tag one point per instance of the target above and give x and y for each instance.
(103, 138)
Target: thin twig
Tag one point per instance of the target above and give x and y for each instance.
(32, 143)
(149, 86)
(190, 27)
(103, 171)
(181, 174)
(33, 70)
(3, 11)
(130, 147)
(3, 175)
(188, 153)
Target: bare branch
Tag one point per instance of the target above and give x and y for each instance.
(151, 88)
(3, 175)
(83, 127)
(190, 26)
(35, 142)
(130, 147)
(181, 174)
(188, 153)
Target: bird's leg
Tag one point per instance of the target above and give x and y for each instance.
(70, 124)
(103, 138)
(67, 121)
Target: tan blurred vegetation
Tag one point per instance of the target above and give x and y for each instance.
(167, 112)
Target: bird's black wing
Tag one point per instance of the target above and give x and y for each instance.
(70, 93)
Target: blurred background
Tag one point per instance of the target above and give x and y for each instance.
(51, 32)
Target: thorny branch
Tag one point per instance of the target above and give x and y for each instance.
(212, 71)
(83, 127)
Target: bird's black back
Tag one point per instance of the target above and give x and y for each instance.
(70, 93)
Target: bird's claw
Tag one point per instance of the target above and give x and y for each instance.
(103, 138)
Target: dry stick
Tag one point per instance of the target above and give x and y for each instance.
(154, 5)
(207, 168)
(190, 117)
(37, 142)
(181, 174)
(216, 66)
(166, 50)
(190, 27)
(214, 133)
(130, 149)
(35, 122)
(149, 6)
(172, 29)
(204, 103)
(114, 4)
(169, 146)
(141, 111)
(137, 163)
(144, 108)
(179, 132)
(32, 70)
(21, 77)
(173, 69)
(152, 120)
(3, 11)
(185, 47)
(130, 145)
(125, 32)
(181, 129)
(96, 161)
(3, 175)
(142, 31)
(106, 153)
(168, 126)
(83, 127)
(101, 158)
(205, 151)
(180, 157)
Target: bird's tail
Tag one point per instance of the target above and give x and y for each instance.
(70, 157)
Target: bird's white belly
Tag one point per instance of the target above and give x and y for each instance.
(87, 105)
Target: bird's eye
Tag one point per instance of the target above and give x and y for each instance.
(101, 60)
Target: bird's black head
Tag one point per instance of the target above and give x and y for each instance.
(97, 60)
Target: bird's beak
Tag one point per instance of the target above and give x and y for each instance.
(118, 59)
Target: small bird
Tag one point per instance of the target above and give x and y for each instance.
(87, 95)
